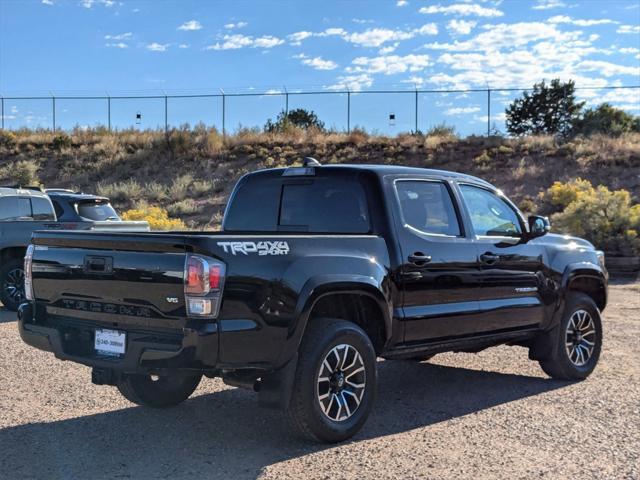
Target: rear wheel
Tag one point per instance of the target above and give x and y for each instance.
(12, 284)
(335, 381)
(157, 391)
(578, 348)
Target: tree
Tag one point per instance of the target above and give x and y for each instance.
(608, 120)
(300, 118)
(548, 109)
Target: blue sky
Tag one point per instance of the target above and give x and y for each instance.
(149, 47)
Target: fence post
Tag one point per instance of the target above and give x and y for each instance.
(109, 112)
(53, 109)
(224, 130)
(286, 103)
(2, 114)
(416, 119)
(488, 112)
(348, 111)
(166, 117)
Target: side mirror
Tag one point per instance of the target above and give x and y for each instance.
(538, 226)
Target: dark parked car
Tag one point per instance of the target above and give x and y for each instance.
(79, 210)
(25, 210)
(318, 270)
(22, 211)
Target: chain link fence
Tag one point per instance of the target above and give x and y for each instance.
(470, 111)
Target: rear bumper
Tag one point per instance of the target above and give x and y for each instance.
(146, 351)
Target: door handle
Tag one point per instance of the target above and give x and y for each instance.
(419, 258)
(489, 258)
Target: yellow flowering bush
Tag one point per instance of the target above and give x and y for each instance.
(157, 217)
(608, 219)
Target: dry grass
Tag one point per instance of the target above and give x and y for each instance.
(191, 172)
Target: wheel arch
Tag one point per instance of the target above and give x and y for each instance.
(587, 278)
(355, 298)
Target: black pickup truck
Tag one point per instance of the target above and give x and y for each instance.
(318, 271)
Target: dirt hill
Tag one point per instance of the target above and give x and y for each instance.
(191, 173)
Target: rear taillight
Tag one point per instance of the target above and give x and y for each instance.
(28, 279)
(203, 282)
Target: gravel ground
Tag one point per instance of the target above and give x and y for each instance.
(488, 415)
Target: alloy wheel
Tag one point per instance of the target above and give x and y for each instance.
(341, 382)
(580, 337)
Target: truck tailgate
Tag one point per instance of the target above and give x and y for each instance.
(125, 279)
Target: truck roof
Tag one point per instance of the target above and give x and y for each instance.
(382, 170)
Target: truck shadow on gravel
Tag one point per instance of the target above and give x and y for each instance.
(226, 435)
(7, 316)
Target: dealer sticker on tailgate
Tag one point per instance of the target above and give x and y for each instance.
(110, 342)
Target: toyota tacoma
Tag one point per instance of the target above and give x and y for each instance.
(317, 272)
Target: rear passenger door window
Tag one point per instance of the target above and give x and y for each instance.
(428, 207)
(42, 209)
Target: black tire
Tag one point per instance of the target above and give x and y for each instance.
(564, 365)
(12, 284)
(157, 392)
(305, 414)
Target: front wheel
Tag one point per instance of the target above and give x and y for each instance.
(12, 284)
(335, 381)
(580, 340)
(157, 391)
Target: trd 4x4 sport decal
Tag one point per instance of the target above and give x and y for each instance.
(261, 248)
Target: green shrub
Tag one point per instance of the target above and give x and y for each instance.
(24, 172)
(606, 218)
(60, 141)
(183, 207)
(7, 138)
(607, 120)
(442, 130)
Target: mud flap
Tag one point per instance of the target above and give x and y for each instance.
(545, 344)
(275, 388)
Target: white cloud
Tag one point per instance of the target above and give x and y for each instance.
(183, 45)
(47, 2)
(297, 37)
(267, 41)
(376, 36)
(505, 35)
(402, 3)
(389, 49)
(91, 3)
(273, 91)
(317, 63)
(461, 27)
(461, 110)
(580, 22)
(354, 83)
(629, 50)
(190, 26)
(608, 69)
(628, 29)
(231, 26)
(462, 9)
(117, 45)
(361, 21)
(120, 36)
(236, 41)
(389, 64)
(548, 4)
(158, 47)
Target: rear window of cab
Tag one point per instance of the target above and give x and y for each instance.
(301, 204)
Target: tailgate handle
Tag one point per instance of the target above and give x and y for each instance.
(99, 265)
